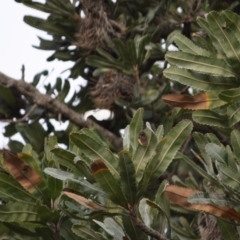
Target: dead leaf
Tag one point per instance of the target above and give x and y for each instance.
(179, 195)
(198, 101)
(24, 174)
(84, 201)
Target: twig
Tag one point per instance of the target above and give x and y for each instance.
(20, 119)
(55, 106)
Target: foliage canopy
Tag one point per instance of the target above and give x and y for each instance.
(176, 174)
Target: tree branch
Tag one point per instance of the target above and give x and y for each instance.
(55, 106)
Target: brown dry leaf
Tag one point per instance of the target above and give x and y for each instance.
(198, 101)
(24, 174)
(84, 201)
(179, 195)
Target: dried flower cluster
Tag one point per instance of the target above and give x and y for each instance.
(111, 86)
(95, 26)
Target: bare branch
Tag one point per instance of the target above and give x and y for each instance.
(55, 106)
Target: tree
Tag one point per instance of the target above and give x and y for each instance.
(174, 174)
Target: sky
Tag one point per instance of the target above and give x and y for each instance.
(16, 48)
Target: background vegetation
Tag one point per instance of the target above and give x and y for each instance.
(175, 172)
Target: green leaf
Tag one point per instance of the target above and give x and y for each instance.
(186, 45)
(135, 128)
(13, 190)
(203, 173)
(165, 151)
(160, 132)
(28, 131)
(55, 187)
(235, 140)
(49, 144)
(144, 152)
(83, 184)
(215, 67)
(18, 212)
(112, 228)
(38, 76)
(209, 117)
(30, 158)
(216, 152)
(211, 198)
(201, 142)
(66, 232)
(108, 183)
(126, 138)
(229, 177)
(64, 92)
(228, 44)
(228, 230)
(161, 211)
(128, 180)
(231, 95)
(131, 229)
(200, 81)
(94, 150)
(8, 96)
(86, 232)
(65, 158)
(46, 25)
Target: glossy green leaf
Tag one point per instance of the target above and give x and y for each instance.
(200, 81)
(215, 67)
(94, 150)
(128, 177)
